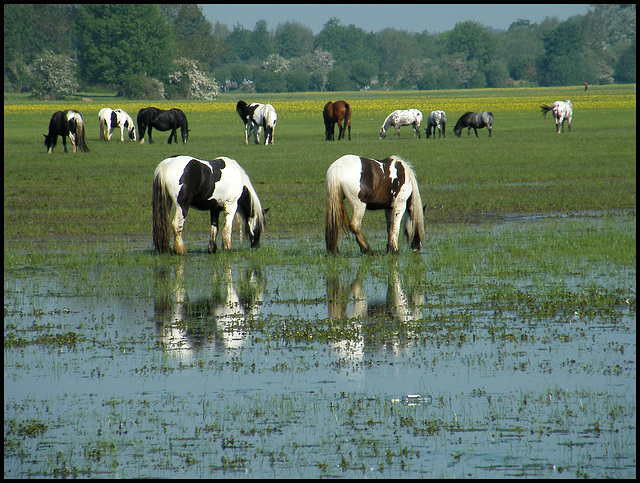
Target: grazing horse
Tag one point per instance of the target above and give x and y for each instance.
(436, 120)
(152, 117)
(336, 112)
(561, 111)
(256, 117)
(411, 117)
(369, 184)
(67, 123)
(109, 119)
(214, 186)
(475, 120)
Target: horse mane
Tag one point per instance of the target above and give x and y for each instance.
(414, 224)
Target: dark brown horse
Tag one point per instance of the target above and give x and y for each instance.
(336, 112)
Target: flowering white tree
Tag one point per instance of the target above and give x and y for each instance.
(53, 76)
(193, 82)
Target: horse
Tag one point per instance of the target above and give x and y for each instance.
(152, 117)
(256, 117)
(109, 119)
(369, 184)
(214, 186)
(336, 112)
(475, 120)
(66, 123)
(410, 117)
(561, 111)
(436, 120)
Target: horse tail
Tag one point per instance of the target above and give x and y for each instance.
(545, 109)
(415, 223)
(161, 209)
(337, 216)
(80, 134)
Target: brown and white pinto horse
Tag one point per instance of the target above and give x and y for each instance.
(369, 184)
(336, 112)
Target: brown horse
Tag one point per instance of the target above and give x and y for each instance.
(336, 112)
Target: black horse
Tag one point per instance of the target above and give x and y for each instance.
(152, 117)
(475, 120)
(66, 123)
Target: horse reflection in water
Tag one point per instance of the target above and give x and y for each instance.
(188, 322)
(349, 301)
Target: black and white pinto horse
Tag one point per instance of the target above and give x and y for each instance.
(152, 117)
(369, 184)
(66, 123)
(109, 119)
(215, 186)
(436, 120)
(561, 110)
(410, 117)
(256, 117)
(475, 120)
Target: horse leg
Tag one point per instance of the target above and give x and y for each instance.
(150, 139)
(394, 217)
(178, 225)
(122, 133)
(355, 226)
(475, 131)
(214, 231)
(229, 214)
(340, 131)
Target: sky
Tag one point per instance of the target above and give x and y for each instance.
(373, 17)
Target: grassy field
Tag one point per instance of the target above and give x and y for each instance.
(519, 336)
(524, 168)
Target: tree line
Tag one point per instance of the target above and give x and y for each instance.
(173, 51)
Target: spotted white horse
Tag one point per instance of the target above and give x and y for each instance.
(410, 117)
(562, 110)
(109, 119)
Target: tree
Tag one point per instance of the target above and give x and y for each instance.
(293, 39)
(53, 76)
(471, 39)
(110, 47)
(193, 33)
(31, 30)
(625, 70)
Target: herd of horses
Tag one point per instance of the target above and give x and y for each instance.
(222, 186)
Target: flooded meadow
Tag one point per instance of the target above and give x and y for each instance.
(506, 348)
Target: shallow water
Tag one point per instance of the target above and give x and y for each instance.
(289, 371)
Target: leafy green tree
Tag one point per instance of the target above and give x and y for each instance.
(117, 42)
(471, 39)
(625, 69)
(53, 76)
(261, 43)
(193, 33)
(30, 31)
(293, 39)
(337, 80)
(298, 80)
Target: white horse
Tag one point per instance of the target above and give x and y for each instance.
(109, 119)
(561, 110)
(436, 120)
(263, 116)
(411, 117)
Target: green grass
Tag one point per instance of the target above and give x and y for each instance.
(524, 168)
